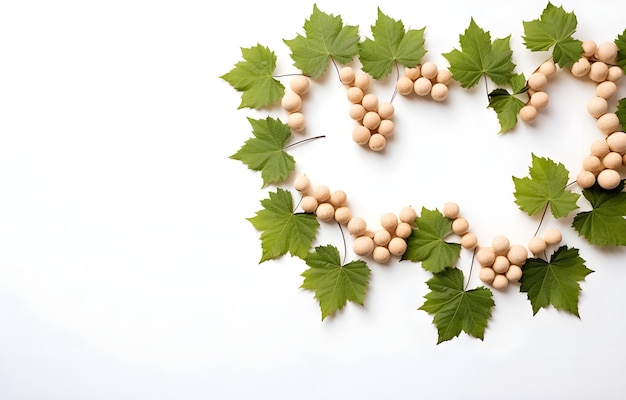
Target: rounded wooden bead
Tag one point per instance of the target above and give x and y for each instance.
(363, 246)
(598, 71)
(581, 67)
(308, 204)
(514, 274)
(300, 85)
(469, 241)
(517, 254)
(585, 179)
(291, 102)
(597, 107)
(485, 256)
(302, 183)
(537, 80)
(539, 99)
(613, 160)
(553, 236)
(548, 68)
(381, 254)
(346, 75)
(460, 226)
(386, 110)
(361, 135)
(296, 121)
(371, 120)
(600, 147)
(592, 164)
(404, 230)
(362, 80)
(429, 70)
(357, 111)
(413, 73)
(616, 141)
(397, 246)
(608, 179)
(338, 198)
(451, 210)
(528, 113)
(439, 92)
(408, 215)
(382, 237)
(386, 127)
(500, 244)
(354, 94)
(615, 73)
(589, 48)
(443, 76)
(500, 282)
(321, 193)
(389, 221)
(370, 102)
(357, 226)
(609, 123)
(377, 142)
(343, 215)
(404, 86)
(422, 86)
(537, 245)
(501, 264)
(606, 89)
(606, 52)
(486, 275)
(325, 211)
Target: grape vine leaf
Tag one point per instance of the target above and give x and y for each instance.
(454, 309)
(326, 38)
(621, 50)
(479, 56)
(605, 224)
(284, 231)
(335, 284)
(506, 105)
(265, 151)
(621, 112)
(556, 282)
(546, 186)
(426, 243)
(254, 78)
(391, 44)
(555, 28)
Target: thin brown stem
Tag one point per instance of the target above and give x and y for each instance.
(345, 246)
(303, 141)
(541, 220)
(395, 89)
(471, 268)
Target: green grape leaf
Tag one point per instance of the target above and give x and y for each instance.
(284, 231)
(621, 112)
(621, 51)
(555, 28)
(479, 56)
(326, 38)
(391, 44)
(605, 224)
(265, 151)
(426, 243)
(253, 77)
(546, 186)
(335, 284)
(506, 105)
(455, 309)
(556, 282)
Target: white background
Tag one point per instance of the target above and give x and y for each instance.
(128, 269)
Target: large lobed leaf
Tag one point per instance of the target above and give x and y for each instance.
(335, 284)
(479, 56)
(326, 38)
(284, 231)
(253, 77)
(545, 187)
(554, 28)
(265, 151)
(391, 44)
(605, 224)
(556, 282)
(454, 309)
(426, 243)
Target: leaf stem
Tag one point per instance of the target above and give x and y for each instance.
(486, 86)
(303, 141)
(395, 89)
(345, 246)
(471, 268)
(288, 75)
(298, 205)
(541, 220)
(336, 68)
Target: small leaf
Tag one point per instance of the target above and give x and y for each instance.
(556, 282)
(506, 106)
(605, 224)
(546, 186)
(334, 284)
(254, 78)
(391, 44)
(479, 56)
(621, 51)
(283, 231)
(326, 38)
(621, 112)
(454, 309)
(426, 243)
(265, 151)
(554, 28)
